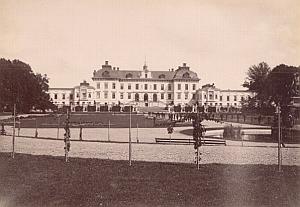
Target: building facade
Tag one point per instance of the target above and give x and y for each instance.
(139, 88)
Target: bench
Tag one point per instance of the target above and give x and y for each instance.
(204, 141)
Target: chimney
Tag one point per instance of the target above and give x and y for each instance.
(117, 68)
(184, 64)
(114, 68)
(106, 62)
(172, 69)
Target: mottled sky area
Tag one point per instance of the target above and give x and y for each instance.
(218, 39)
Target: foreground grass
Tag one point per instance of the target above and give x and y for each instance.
(48, 181)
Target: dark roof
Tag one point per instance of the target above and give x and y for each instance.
(180, 73)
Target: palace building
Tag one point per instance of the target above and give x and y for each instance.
(111, 86)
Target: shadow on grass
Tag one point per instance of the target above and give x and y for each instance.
(31, 180)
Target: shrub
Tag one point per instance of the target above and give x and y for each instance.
(231, 132)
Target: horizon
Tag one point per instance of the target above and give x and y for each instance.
(218, 40)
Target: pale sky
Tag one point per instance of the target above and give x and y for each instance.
(68, 39)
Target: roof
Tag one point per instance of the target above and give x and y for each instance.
(182, 73)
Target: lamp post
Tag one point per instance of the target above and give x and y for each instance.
(279, 138)
(14, 130)
(129, 136)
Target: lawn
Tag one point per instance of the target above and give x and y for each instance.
(90, 120)
(38, 181)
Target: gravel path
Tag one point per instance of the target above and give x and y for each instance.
(234, 153)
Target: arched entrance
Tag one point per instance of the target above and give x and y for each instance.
(155, 97)
(136, 97)
(146, 97)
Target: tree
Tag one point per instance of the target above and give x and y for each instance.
(256, 82)
(20, 86)
(282, 84)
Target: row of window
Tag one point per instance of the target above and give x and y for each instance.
(220, 104)
(136, 96)
(221, 97)
(63, 96)
(139, 86)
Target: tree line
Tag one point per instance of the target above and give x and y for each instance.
(21, 86)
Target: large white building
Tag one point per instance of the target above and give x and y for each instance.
(140, 88)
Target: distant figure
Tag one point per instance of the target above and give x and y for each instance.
(80, 133)
(2, 132)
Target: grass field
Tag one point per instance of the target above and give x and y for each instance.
(91, 120)
(48, 181)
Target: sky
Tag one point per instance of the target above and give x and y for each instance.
(218, 39)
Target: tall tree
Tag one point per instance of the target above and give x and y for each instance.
(256, 82)
(20, 86)
(283, 82)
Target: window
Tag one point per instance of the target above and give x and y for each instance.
(210, 96)
(234, 104)
(90, 95)
(169, 87)
(228, 98)
(122, 86)
(98, 94)
(129, 86)
(71, 96)
(128, 75)
(106, 85)
(204, 96)
(105, 74)
(194, 86)
(155, 87)
(242, 98)
(194, 96)
(186, 87)
(179, 96)
(77, 95)
(113, 95)
(121, 96)
(234, 98)
(55, 96)
(179, 86)
(113, 85)
(162, 87)
(105, 95)
(169, 96)
(162, 96)
(186, 96)
(221, 98)
(84, 95)
(186, 75)
(161, 76)
(146, 75)
(137, 86)
(129, 95)
(146, 87)
(216, 96)
(98, 85)
(63, 96)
